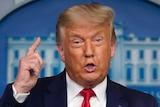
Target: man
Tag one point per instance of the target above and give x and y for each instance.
(86, 43)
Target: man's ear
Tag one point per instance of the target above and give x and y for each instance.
(61, 52)
(113, 43)
(113, 49)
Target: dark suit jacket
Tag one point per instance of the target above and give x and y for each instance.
(52, 92)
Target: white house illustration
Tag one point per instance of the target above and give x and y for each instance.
(137, 59)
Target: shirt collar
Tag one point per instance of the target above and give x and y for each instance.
(100, 90)
(73, 89)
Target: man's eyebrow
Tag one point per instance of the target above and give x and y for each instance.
(97, 33)
(72, 35)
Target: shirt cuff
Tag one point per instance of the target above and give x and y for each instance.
(20, 97)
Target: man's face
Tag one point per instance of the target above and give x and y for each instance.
(86, 51)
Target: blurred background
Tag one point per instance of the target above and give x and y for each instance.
(137, 60)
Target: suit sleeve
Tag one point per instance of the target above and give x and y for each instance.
(7, 100)
(155, 103)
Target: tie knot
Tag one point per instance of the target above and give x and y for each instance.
(87, 93)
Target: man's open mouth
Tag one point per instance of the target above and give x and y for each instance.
(90, 67)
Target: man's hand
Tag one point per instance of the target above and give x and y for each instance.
(29, 68)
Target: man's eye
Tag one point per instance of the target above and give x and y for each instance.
(98, 40)
(77, 43)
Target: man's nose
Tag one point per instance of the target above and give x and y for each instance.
(88, 50)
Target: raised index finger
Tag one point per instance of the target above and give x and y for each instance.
(34, 46)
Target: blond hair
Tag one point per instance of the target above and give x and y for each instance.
(95, 14)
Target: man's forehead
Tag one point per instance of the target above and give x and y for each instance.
(86, 27)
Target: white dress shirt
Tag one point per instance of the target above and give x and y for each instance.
(75, 99)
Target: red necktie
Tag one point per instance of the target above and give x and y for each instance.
(87, 94)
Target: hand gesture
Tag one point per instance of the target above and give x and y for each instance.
(29, 68)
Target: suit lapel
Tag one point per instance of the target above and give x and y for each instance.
(56, 94)
(115, 97)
